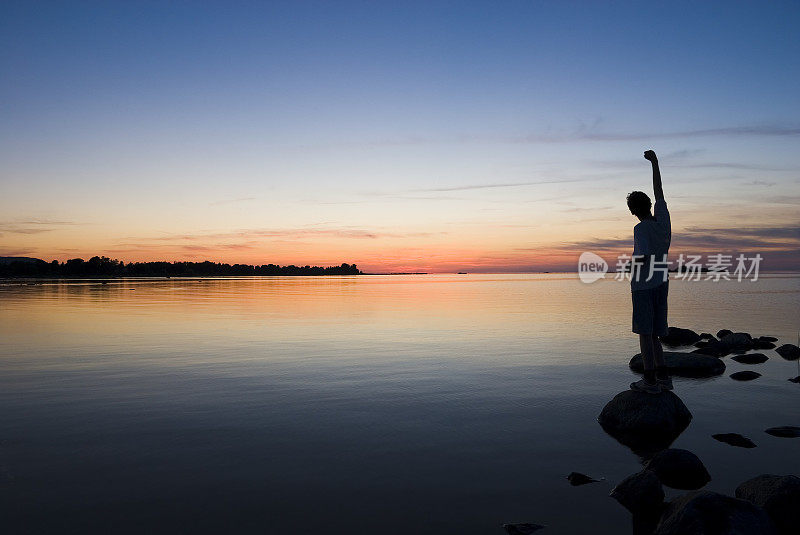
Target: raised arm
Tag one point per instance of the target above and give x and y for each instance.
(651, 156)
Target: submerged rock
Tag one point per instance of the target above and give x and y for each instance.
(646, 423)
(684, 364)
(679, 337)
(640, 492)
(746, 375)
(734, 439)
(779, 496)
(789, 351)
(576, 478)
(705, 513)
(751, 358)
(679, 469)
(784, 431)
(795, 379)
(525, 528)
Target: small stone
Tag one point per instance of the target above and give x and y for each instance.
(789, 351)
(679, 337)
(795, 379)
(576, 478)
(522, 529)
(767, 339)
(714, 348)
(751, 358)
(734, 439)
(784, 431)
(737, 341)
(746, 375)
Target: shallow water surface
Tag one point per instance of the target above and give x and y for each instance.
(367, 404)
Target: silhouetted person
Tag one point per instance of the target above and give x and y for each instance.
(650, 281)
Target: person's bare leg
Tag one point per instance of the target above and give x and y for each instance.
(658, 352)
(648, 358)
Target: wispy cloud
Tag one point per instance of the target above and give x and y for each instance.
(231, 201)
(705, 239)
(32, 226)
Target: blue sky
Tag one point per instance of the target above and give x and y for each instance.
(482, 135)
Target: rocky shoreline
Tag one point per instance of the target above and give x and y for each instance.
(649, 423)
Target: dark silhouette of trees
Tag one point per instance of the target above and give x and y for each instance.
(102, 267)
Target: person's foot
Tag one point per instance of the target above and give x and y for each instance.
(643, 386)
(665, 384)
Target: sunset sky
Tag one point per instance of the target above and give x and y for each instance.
(401, 136)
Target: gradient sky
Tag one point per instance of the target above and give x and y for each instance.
(402, 136)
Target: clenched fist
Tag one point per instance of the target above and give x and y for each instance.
(650, 155)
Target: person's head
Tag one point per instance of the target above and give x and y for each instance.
(639, 204)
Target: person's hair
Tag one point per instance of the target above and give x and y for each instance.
(639, 203)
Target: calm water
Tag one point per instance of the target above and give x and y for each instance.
(372, 404)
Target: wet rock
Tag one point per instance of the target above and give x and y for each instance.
(705, 513)
(679, 469)
(746, 375)
(723, 332)
(795, 379)
(789, 351)
(646, 423)
(685, 364)
(714, 348)
(778, 496)
(679, 337)
(734, 439)
(522, 529)
(707, 336)
(737, 341)
(784, 431)
(640, 492)
(767, 339)
(751, 358)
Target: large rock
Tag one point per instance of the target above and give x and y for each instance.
(640, 492)
(723, 332)
(767, 339)
(709, 513)
(646, 423)
(779, 496)
(679, 469)
(789, 351)
(684, 364)
(679, 337)
(751, 358)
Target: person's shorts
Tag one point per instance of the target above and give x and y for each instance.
(650, 310)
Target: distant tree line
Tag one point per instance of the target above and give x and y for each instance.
(101, 266)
